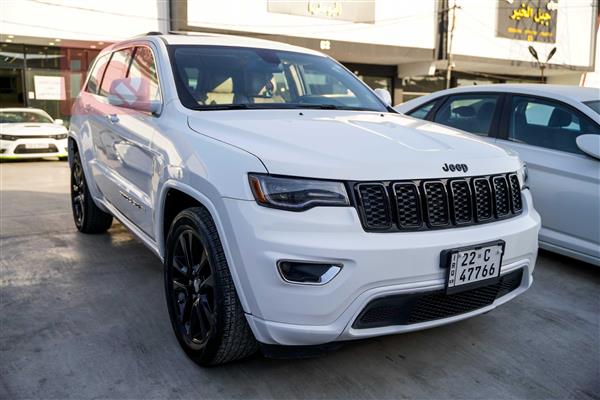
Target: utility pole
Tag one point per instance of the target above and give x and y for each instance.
(449, 36)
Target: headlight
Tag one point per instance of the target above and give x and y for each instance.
(522, 175)
(59, 137)
(297, 194)
(9, 137)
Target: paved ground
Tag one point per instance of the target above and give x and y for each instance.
(84, 317)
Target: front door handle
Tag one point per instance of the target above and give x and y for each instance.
(113, 118)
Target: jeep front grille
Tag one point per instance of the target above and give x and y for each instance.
(437, 203)
(375, 205)
(408, 206)
(516, 201)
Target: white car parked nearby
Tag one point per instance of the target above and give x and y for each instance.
(31, 133)
(556, 131)
(289, 203)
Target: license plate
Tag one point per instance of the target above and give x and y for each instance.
(36, 146)
(473, 266)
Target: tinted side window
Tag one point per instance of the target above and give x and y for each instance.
(144, 67)
(117, 69)
(422, 111)
(96, 73)
(470, 112)
(548, 124)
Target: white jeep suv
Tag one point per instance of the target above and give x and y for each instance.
(289, 203)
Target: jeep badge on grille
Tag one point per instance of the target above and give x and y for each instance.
(455, 167)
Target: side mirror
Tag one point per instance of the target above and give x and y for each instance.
(59, 121)
(589, 144)
(133, 93)
(384, 95)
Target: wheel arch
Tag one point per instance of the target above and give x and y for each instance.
(74, 145)
(176, 196)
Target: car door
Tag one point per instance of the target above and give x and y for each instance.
(87, 118)
(565, 182)
(125, 159)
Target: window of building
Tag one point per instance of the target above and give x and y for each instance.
(417, 86)
(375, 76)
(548, 124)
(472, 113)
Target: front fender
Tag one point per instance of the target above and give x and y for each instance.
(210, 199)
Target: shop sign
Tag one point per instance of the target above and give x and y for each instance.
(531, 20)
(354, 11)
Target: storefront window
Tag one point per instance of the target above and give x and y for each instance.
(11, 75)
(53, 77)
(375, 76)
(417, 86)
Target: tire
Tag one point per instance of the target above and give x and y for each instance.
(205, 311)
(87, 216)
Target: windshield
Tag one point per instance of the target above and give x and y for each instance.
(594, 105)
(214, 77)
(15, 117)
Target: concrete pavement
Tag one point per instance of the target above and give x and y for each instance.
(84, 317)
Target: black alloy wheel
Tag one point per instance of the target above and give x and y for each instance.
(88, 217)
(193, 290)
(78, 193)
(205, 311)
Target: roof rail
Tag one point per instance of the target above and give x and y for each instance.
(195, 33)
(151, 33)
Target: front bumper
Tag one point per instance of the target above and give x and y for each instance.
(374, 265)
(33, 148)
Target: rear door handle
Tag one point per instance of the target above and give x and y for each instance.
(113, 118)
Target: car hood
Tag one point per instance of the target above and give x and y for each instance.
(31, 129)
(351, 145)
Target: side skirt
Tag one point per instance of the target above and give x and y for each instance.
(147, 240)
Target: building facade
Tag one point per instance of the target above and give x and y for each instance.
(404, 46)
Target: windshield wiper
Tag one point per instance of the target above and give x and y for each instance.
(222, 107)
(334, 107)
(319, 106)
(274, 106)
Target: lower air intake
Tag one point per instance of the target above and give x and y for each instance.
(423, 307)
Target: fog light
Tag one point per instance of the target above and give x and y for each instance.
(307, 272)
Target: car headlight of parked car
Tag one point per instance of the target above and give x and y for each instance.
(523, 177)
(297, 194)
(59, 137)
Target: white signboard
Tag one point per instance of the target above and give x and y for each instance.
(49, 87)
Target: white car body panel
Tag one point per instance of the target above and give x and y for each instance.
(208, 156)
(565, 186)
(375, 146)
(32, 134)
(373, 264)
